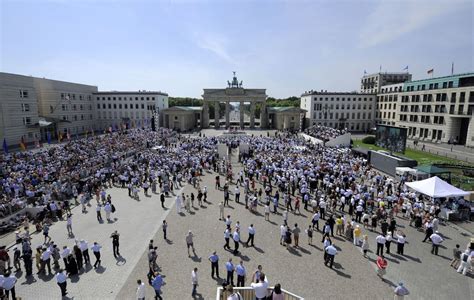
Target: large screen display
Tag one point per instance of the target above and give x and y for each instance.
(391, 138)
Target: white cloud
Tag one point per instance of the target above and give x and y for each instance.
(393, 19)
(215, 44)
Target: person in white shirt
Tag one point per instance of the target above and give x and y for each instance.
(282, 234)
(108, 210)
(251, 231)
(45, 261)
(436, 240)
(331, 251)
(96, 250)
(221, 211)
(85, 251)
(61, 281)
(65, 253)
(465, 262)
(400, 243)
(69, 224)
(141, 292)
(194, 281)
(380, 244)
(260, 288)
(236, 238)
(8, 284)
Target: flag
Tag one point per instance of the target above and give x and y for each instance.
(406, 68)
(48, 137)
(430, 71)
(60, 136)
(5, 146)
(22, 144)
(365, 72)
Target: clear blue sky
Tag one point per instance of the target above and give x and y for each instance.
(181, 47)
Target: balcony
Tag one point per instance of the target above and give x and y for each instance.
(247, 293)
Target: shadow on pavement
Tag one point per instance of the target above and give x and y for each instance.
(413, 258)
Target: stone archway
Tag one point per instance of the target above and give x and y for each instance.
(234, 93)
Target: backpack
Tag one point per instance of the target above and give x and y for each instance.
(465, 257)
(113, 208)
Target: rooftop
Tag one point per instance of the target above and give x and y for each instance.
(443, 77)
(307, 93)
(386, 73)
(139, 92)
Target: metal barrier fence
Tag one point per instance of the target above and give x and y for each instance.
(248, 293)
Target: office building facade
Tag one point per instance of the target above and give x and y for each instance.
(134, 109)
(39, 109)
(435, 109)
(18, 109)
(353, 111)
(372, 83)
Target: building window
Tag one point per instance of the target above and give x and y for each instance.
(80, 97)
(115, 106)
(25, 107)
(64, 107)
(23, 94)
(125, 106)
(26, 121)
(120, 106)
(110, 106)
(98, 105)
(136, 106)
(143, 106)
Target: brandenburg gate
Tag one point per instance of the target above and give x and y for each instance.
(234, 93)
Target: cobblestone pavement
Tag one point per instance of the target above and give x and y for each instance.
(300, 271)
(136, 221)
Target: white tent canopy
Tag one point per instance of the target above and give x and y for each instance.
(436, 187)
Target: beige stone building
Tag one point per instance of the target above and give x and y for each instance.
(181, 118)
(18, 109)
(285, 118)
(67, 106)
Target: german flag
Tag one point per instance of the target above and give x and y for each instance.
(22, 144)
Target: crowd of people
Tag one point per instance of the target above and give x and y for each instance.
(282, 175)
(324, 133)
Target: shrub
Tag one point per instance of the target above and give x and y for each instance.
(369, 140)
